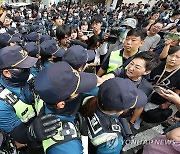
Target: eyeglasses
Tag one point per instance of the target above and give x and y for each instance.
(157, 27)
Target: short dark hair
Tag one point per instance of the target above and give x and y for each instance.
(97, 18)
(176, 12)
(74, 29)
(165, 6)
(142, 33)
(173, 50)
(92, 41)
(155, 12)
(61, 31)
(151, 60)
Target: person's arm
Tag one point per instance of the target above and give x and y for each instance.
(166, 48)
(2, 18)
(100, 72)
(104, 65)
(174, 134)
(103, 49)
(107, 76)
(136, 114)
(168, 26)
(171, 96)
(149, 25)
(99, 81)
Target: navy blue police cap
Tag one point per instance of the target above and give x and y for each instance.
(49, 47)
(77, 56)
(15, 56)
(32, 48)
(44, 38)
(33, 37)
(6, 38)
(59, 81)
(121, 94)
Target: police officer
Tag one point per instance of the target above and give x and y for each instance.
(50, 53)
(106, 128)
(78, 57)
(18, 109)
(60, 87)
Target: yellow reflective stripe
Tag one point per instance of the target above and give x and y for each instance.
(78, 83)
(59, 137)
(19, 61)
(134, 103)
(24, 111)
(29, 116)
(115, 61)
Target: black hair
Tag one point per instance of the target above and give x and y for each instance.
(61, 31)
(155, 12)
(55, 17)
(158, 21)
(9, 16)
(151, 59)
(176, 12)
(74, 29)
(92, 105)
(142, 33)
(84, 22)
(1, 24)
(165, 6)
(44, 57)
(97, 18)
(173, 50)
(178, 28)
(92, 42)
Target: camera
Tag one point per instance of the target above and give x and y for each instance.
(87, 32)
(115, 33)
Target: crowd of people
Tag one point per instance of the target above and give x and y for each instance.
(73, 73)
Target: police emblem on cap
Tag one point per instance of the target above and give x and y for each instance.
(23, 53)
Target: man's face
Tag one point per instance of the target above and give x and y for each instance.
(156, 28)
(173, 59)
(73, 35)
(58, 22)
(155, 16)
(132, 43)
(96, 26)
(65, 42)
(136, 68)
(84, 27)
(177, 16)
(7, 21)
(162, 9)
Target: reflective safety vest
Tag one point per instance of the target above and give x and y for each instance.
(115, 61)
(24, 111)
(67, 132)
(102, 128)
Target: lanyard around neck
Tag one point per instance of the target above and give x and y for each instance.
(173, 72)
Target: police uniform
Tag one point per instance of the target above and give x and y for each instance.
(49, 48)
(14, 98)
(55, 84)
(18, 109)
(106, 131)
